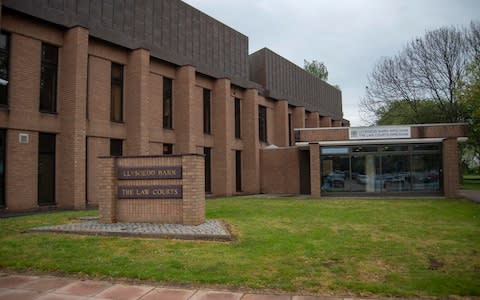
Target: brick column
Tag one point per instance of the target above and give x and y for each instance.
(450, 168)
(298, 117)
(315, 170)
(251, 154)
(183, 108)
(106, 192)
(136, 102)
(193, 208)
(281, 123)
(71, 140)
(337, 123)
(325, 121)
(313, 120)
(222, 130)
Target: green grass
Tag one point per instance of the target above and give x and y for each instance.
(471, 182)
(426, 247)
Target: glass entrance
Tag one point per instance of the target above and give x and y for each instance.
(381, 168)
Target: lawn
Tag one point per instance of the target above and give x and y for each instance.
(471, 182)
(423, 247)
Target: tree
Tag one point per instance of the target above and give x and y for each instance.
(317, 69)
(428, 68)
(400, 112)
(469, 94)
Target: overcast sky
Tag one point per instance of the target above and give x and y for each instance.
(349, 36)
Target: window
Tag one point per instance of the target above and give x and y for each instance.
(4, 64)
(3, 151)
(237, 119)
(167, 103)
(46, 169)
(289, 129)
(116, 147)
(167, 149)
(208, 169)
(262, 123)
(206, 112)
(116, 96)
(48, 79)
(238, 171)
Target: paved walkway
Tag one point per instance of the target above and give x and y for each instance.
(28, 287)
(473, 195)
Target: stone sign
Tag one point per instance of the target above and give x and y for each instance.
(168, 172)
(150, 192)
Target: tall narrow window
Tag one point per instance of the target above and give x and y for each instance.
(4, 64)
(238, 171)
(116, 147)
(262, 123)
(206, 112)
(116, 97)
(167, 103)
(3, 150)
(289, 129)
(237, 119)
(208, 169)
(48, 79)
(46, 169)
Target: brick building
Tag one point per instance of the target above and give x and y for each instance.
(83, 79)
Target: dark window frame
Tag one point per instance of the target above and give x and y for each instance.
(167, 114)
(5, 56)
(207, 111)
(238, 171)
(116, 147)
(167, 148)
(53, 153)
(48, 69)
(116, 82)
(208, 169)
(238, 120)
(262, 124)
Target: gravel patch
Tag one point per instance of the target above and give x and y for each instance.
(210, 230)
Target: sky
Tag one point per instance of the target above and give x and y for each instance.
(349, 36)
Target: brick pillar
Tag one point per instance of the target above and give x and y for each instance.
(136, 102)
(313, 120)
(251, 144)
(281, 123)
(71, 141)
(298, 117)
(337, 123)
(315, 181)
(183, 107)
(106, 192)
(222, 130)
(325, 121)
(193, 208)
(450, 168)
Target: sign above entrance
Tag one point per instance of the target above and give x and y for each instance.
(384, 132)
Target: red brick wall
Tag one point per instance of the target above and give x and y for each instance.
(280, 171)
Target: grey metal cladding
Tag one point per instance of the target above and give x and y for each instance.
(283, 79)
(172, 30)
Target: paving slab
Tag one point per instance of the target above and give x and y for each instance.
(210, 230)
(314, 298)
(265, 297)
(125, 292)
(44, 284)
(83, 288)
(51, 296)
(15, 281)
(9, 294)
(168, 294)
(216, 295)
